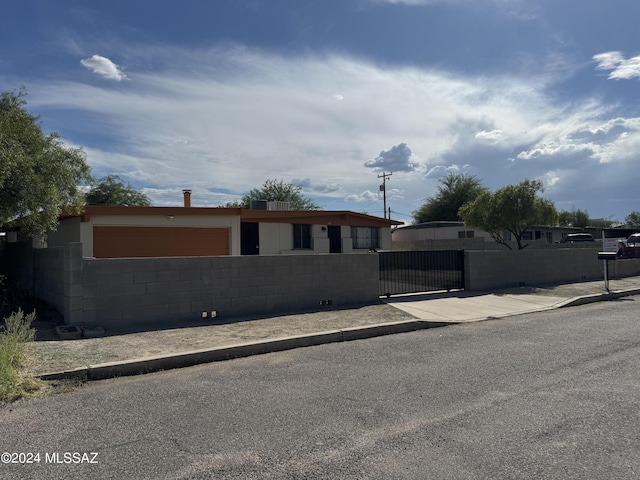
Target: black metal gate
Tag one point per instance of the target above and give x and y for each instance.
(420, 271)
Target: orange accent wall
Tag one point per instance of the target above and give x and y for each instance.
(127, 242)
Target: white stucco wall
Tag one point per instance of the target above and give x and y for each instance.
(440, 233)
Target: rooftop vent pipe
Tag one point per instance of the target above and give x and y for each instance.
(187, 198)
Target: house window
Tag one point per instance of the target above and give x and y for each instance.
(365, 237)
(538, 235)
(461, 234)
(549, 237)
(506, 236)
(301, 236)
(470, 234)
(527, 236)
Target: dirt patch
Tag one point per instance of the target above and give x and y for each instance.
(61, 355)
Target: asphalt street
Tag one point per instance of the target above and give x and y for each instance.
(551, 395)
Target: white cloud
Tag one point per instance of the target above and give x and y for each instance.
(616, 140)
(440, 171)
(224, 120)
(103, 67)
(309, 186)
(366, 196)
(621, 68)
(493, 135)
(398, 158)
(171, 197)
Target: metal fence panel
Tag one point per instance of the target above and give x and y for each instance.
(421, 271)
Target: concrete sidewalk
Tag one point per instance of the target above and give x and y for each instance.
(133, 353)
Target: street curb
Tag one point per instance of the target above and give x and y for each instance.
(599, 297)
(187, 359)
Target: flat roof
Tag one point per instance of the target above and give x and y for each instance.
(317, 217)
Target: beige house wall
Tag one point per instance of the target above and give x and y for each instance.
(274, 238)
(277, 239)
(75, 230)
(433, 238)
(441, 233)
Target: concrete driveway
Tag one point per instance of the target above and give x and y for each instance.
(467, 306)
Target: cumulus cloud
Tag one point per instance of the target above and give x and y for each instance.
(104, 67)
(222, 121)
(398, 158)
(611, 141)
(557, 150)
(440, 171)
(621, 68)
(366, 196)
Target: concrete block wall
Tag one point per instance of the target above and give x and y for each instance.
(450, 244)
(145, 292)
(624, 268)
(486, 270)
(148, 292)
(52, 274)
(479, 243)
(58, 275)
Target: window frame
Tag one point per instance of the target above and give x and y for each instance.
(302, 236)
(369, 238)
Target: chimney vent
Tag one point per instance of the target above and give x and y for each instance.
(187, 198)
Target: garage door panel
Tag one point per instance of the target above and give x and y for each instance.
(126, 242)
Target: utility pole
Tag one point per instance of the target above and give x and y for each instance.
(383, 189)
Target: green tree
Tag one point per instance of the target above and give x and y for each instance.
(574, 218)
(39, 176)
(633, 219)
(454, 191)
(514, 209)
(111, 190)
(279, 190)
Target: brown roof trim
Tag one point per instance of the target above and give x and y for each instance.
(313, 217)
(316, 217)
(93, 210)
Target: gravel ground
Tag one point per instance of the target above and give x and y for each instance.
(57, 355)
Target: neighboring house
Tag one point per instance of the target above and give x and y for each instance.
(456, 235)
(125, 232)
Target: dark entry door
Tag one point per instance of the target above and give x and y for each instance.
(335, 239)
(249, 238)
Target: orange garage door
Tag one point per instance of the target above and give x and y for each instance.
(126, 242)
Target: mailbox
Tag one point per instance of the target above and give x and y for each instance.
(606, 256)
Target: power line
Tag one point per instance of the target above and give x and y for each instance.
(401, 214)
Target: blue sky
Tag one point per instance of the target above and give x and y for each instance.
(220, 96)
